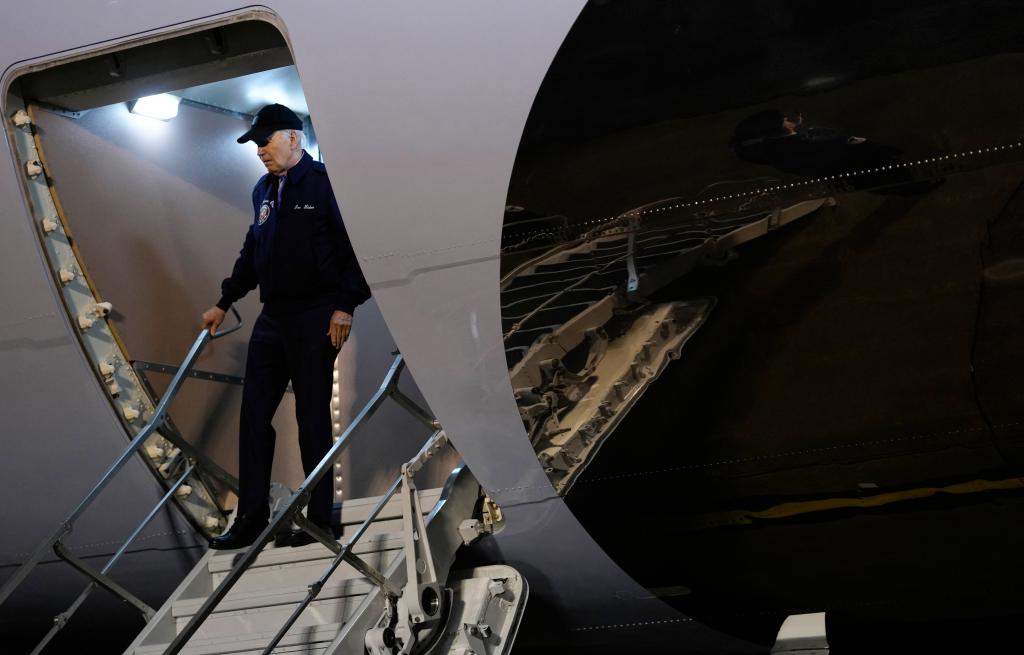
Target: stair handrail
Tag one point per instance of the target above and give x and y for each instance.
(300, 497)
(66, 526)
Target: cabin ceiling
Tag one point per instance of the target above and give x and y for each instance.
(192, 62)
(248, 93)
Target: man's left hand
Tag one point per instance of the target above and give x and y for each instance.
(341, 325)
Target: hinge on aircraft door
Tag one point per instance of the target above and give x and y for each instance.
(491, 520)
(493, 516)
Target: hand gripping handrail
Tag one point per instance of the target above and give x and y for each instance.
(53, 542)
(388, 389)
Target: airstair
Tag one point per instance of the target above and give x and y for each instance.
(384, 587)
(268, 609)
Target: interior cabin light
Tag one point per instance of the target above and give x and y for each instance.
(163, 106)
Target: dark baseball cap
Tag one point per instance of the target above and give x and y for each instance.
(269, 120)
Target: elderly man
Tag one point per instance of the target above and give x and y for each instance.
(299, 254)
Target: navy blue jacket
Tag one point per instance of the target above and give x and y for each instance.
(298, 253)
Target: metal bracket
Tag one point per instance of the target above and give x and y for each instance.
(422, 594)
(418, 412)
(219, 110)
(422, 603)
(475, 635)
(171, 369)
(103, 581)
(491, 520)
(493, 517)
(380, 641)
(60, 111)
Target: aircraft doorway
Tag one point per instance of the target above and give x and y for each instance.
(147, 213)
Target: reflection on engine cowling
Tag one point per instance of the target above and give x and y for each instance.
(582, 339)
(819, 212)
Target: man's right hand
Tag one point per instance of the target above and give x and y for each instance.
(212, 318)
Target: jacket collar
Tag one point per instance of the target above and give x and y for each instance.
(296, 172)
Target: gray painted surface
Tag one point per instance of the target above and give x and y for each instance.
(422, 139)
(420, 129)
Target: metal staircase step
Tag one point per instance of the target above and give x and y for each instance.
(303, 640)
(264, 598)
(222, 561)
(269, 577)
(271, 617)
(383, 534)
(290, 595)
(278, 580)
(355, 511)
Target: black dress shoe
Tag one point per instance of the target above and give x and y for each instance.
(243, 533)
(302, 538)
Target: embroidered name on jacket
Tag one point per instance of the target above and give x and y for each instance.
(304, 207)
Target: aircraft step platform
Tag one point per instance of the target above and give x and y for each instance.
(478, 610)
(278, 580)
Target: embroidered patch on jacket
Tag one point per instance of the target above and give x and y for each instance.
(264, 212)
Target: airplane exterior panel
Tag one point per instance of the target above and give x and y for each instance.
(426, 106)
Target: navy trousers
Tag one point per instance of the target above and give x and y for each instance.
(292, 347)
